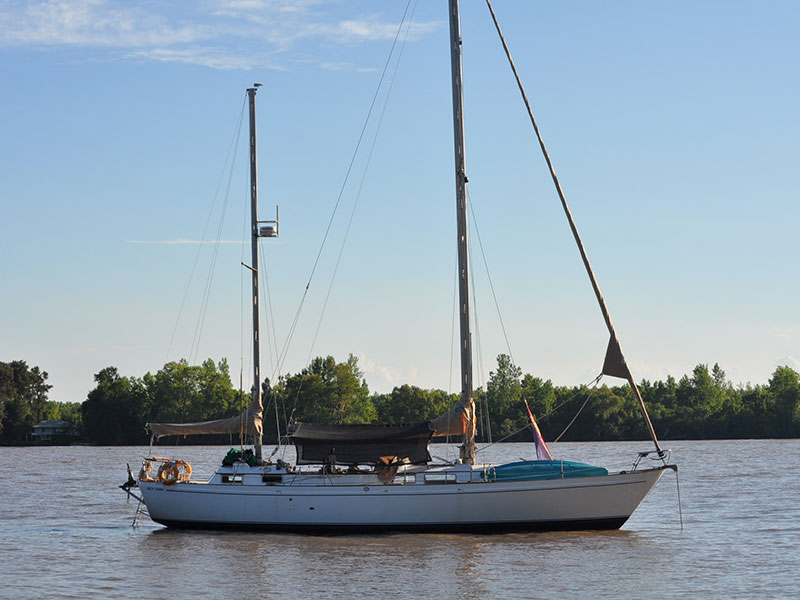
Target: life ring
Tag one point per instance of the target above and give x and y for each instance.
(187, 470)
(171, 472)
(168, 473)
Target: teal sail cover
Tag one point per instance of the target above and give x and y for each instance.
(526, 470)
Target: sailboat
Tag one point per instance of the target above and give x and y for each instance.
(381, 477)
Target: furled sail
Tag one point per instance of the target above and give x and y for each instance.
(459, 420)
(247, 423)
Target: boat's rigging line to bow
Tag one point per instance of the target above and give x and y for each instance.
(404, 23)
(230, 159)
(614, 364)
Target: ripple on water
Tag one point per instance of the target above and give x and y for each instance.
(65, 532)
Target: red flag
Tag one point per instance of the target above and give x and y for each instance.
(542, 451)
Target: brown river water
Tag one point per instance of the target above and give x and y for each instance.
(65, 532)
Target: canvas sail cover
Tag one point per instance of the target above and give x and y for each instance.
(247, 423)
(459, 420)
(360, 444)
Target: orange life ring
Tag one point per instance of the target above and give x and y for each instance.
(168, 473)
(171, 472)
(187, 470)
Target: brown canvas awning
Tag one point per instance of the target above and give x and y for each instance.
(360, 444)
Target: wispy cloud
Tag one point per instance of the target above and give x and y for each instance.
(233, 34)
(385, 377)
(366, 29)
(345, 66)
(284, 22)
(91, 23)
(212, 57)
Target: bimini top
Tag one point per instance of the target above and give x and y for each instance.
(360, 444)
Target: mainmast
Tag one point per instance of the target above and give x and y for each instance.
(467, 404)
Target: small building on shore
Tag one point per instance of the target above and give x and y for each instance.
(48, 432)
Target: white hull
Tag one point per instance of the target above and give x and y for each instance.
(353, 502)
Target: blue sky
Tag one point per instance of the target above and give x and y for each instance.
(673, 127)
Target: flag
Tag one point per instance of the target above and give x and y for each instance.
(542, 451)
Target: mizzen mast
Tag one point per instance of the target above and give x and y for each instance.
(269, 229)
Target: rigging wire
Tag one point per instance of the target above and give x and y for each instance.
(485, 422)
(360, 188)
(452, 337)
(477, 331)
(623, 369)
(268, 318)
(271, 340)
(231, 148)
(293, 326)
(363, 179)
(242, 407)
(580, 410)
(453, 327)
(550, 413)
(489, 276)
(207, 293)
(476, 228)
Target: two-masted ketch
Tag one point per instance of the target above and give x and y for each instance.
(382, 477)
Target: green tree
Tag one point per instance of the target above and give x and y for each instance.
(604, 417)
(23, 399)
(539, 394)
(113, 412)
(328, 392)
(70, 412)
(183, 393)
(698, 404)
(504, 397)
(411, 404)
(756, 418)
(784, 392)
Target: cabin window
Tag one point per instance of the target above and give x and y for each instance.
(272, 478)
(440, 478)
(231, 479)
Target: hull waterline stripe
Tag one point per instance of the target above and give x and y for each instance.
(489, 527)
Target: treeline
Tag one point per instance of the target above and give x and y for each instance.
(24, 403)
(704, 405)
